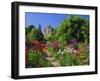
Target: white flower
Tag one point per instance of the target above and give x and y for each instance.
(62, 52)
(68, 50)
(59, 51)
(74, 51)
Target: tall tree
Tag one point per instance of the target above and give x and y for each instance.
(31, 33)
(40, 35)
(73, 27)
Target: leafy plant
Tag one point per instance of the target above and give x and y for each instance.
(33, 58)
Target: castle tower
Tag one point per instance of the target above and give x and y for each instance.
(48, 31)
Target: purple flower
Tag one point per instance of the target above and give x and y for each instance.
(73, 42)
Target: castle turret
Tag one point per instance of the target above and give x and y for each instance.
(48, 31)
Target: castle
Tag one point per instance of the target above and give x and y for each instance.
(48, 31)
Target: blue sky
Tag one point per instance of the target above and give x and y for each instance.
(46, 19)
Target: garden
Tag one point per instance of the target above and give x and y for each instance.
(65, 45)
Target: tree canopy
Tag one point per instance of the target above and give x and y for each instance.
(34, 33)
(73, 27)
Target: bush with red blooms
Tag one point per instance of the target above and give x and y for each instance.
(38, 45)
(26, 56)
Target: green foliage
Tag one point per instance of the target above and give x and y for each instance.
(73, 27)
(33, 57)
(39, 35)
(36, 58)
(29, 28)
(43, 62)
(34, 34)
(66, 59)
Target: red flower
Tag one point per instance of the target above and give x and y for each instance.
(26, 55)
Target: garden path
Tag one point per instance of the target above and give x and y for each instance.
(51, 59)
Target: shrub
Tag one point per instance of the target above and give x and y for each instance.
(33, 58)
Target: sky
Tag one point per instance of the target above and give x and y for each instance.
(45, 19)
